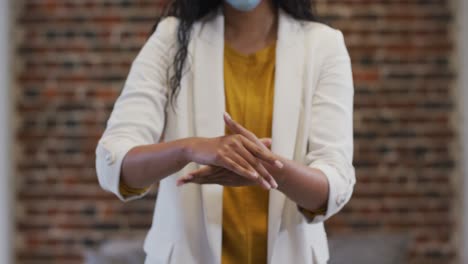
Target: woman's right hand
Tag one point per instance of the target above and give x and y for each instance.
(235, 153)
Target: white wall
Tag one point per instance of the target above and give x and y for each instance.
(462, 68)
(6, 193)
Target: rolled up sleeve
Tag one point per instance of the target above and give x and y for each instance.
(138, 116)
(330, 141)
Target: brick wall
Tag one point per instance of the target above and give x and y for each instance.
(73, 56)
(404, 136)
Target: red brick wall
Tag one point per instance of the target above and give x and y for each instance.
(404, 135)
(73, 57)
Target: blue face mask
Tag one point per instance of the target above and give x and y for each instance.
(244, 5)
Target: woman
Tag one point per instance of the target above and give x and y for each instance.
(262, 96)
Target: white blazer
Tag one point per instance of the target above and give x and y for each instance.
(312, 124)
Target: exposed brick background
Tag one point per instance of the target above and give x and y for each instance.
(73, 56)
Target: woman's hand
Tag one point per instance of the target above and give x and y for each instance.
(306, 186)
(236, 128)
(237, 154)
(219, 175)
(215, 175)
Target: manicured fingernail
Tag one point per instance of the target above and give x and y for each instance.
(279, 164)
(187, 177)
(254, 174)
(275, 185)
(227, 116)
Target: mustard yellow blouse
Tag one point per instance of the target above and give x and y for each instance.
(249, 90)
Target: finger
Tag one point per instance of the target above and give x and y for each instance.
(262, 154)
(257, 166)
(226, 178)
(183, 180)
(263, 179)
(266, 175)
(202, 172)
(237, 180)
(236, 128)
(219, 177)
(204, 177)
(239, 158)
(266, 142)
(236, 168)
(265, 184)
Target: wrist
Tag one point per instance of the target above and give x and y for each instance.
(280, 178)
(188, 148)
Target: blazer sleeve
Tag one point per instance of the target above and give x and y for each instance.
(138, 116)
(330, 140)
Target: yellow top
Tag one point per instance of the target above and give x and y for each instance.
(249, 90)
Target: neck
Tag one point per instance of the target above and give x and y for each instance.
(256, 27)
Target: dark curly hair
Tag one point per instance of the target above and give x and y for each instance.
(189, 11)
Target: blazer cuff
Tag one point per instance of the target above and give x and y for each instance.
(109, 158)
(128, 191)
(339, 191)
(310, 215)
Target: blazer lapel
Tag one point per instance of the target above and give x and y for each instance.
(286, 109)
(209, 106)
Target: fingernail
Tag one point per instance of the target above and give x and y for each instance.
(254, 174)
(275, 185)
(227, 116)
(272, 184)
(279, 164)
(187, 177)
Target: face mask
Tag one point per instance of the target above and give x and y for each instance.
(244, 5)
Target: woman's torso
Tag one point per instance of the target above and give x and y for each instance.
(187, 220)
